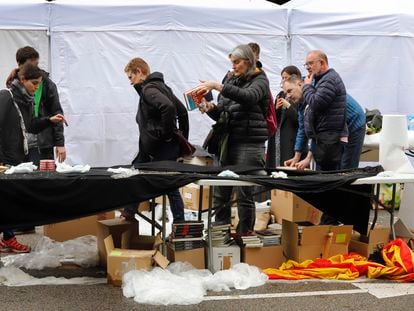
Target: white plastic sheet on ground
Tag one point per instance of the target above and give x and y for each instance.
(12, 276)
(81, 251)
(181, 284)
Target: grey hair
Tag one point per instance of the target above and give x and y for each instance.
(244, 51)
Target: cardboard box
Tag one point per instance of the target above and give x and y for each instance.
(72, 229)
(313, 242)
(117, 228)
(367, 245)
(225, 257)
(158, 200)
(264, 257)
(195, 257)
(121, 260)
(191, 194)
(145, 242)
(286, 205)
(144, 206)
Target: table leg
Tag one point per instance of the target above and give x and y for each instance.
(200, 203)
(376, 199)
(210, 240)
(153, 219)
(164, 218)
(394, 186)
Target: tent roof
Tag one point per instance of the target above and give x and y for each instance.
(195, 15)
(352, 17)
(24, 14)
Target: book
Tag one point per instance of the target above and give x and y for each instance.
(192, 100)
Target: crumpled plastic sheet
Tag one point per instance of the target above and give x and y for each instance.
(66, 168)
(279, 175)
(26, 167)
(82, 251)
(228, 173)
(181, 284)
(12, 276)
(122, 172)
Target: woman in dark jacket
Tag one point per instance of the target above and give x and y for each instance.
(16, 120)
(157, 115)
(240, 112)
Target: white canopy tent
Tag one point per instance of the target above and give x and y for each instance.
(370, 44)
(91, 42)
(22, 23)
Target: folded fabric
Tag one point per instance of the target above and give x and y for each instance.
(66, 168)
(26, 167)
(398, 257)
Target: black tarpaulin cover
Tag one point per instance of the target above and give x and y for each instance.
(46, 197)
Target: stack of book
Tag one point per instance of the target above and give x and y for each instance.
(269, 237)
(251, 241)
(220, 235)
(187, 235)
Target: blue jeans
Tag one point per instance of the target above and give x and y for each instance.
(251, 154)
(352, 150)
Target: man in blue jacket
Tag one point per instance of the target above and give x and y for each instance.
(324, 113)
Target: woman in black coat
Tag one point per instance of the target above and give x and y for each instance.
(16, 120)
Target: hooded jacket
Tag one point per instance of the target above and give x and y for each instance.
(157, 117)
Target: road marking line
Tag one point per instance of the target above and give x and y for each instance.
(292, 294)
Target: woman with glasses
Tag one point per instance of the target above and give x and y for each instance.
(239, 113)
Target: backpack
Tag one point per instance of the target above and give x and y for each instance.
(270, 116)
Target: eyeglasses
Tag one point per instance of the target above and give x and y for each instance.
(308, 64)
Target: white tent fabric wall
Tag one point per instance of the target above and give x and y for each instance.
(22, 23)
(91, 42)
(369, 43)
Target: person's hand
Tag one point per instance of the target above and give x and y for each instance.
(205, 106)
(207, 86)
(60, 154)
(300, 166)
(308, 79)
(281, 102)
(291, 162)
(58, 118)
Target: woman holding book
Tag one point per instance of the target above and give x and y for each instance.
(240, 115)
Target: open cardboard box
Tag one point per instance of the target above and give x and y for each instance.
(322, 241)
(121, 260)
(367, 245)
(119, 229)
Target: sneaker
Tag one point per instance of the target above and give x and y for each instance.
(15, 246)
(3, 247)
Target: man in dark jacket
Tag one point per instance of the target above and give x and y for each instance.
(324, 95)
(157, 115)
(46, 104)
